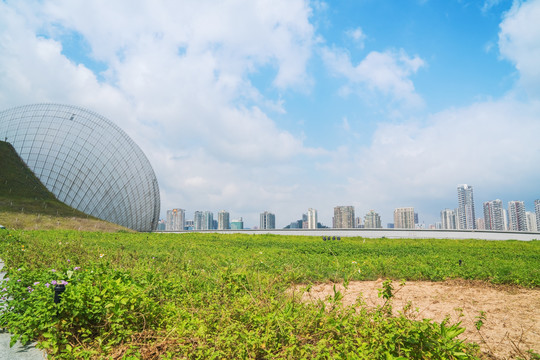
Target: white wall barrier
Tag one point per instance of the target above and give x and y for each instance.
(389, 233)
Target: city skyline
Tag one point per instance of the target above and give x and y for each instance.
(296, 104)
(494, 216)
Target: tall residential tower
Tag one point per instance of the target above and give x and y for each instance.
(176, 220)
(268, 220)
(343, 217)
(223, 220)
(493, 215)
(448, 219)
(531, 221)
(404, 218)
(516, 216)
(372, 220)
(312, 218)
(537, 211)
(466, 216)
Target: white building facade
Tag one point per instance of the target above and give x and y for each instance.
(466, 215)
(494, 215)
(532, 225)
(343, 217)
(267, 221)
(404, 218)
(223, 220)
(312, 218)
(516, 216)
(372, 220)
(448, 219)
(176, 220)
(537, 211)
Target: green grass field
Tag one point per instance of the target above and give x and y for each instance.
(174, 296)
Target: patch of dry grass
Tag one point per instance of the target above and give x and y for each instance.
(25, 221)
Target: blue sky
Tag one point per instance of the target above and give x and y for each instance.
(250, 106)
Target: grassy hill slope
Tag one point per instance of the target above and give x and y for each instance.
(25, 203)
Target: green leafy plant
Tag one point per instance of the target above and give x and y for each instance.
(480, 320)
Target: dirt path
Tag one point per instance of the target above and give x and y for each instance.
(511, 327)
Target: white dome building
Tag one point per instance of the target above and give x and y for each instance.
(86, 161)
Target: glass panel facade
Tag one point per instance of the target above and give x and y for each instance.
(86, 161)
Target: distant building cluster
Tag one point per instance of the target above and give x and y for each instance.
(496, 217)
(204, 220)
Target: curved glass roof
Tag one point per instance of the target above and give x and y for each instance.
(86, 161)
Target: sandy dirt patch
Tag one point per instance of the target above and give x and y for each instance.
(512, 315)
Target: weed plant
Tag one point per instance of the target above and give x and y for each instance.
(172, 296)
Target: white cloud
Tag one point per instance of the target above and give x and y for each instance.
(488, 4)
(490, 143)
(177, 79)
(358, 36)
(519, 42)
(205, 182)
(346, 125)
(242, 35)
(387, 73)
(202, 91)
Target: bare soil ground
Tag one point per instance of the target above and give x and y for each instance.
(512, 314)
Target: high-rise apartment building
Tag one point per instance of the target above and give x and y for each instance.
(203, 220)
(532, 225)
(516, 216)
(448, 219)
(268, 221)
(237, 224)
(480, 224)
(208, 222)
(494, 215)
(466, 216)
(198, 220)
(304, 221)
(343, 217)
(223, 220)
(176, 220)
(537, 211)
(372, 220)
(312, 218)
(404, 218)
